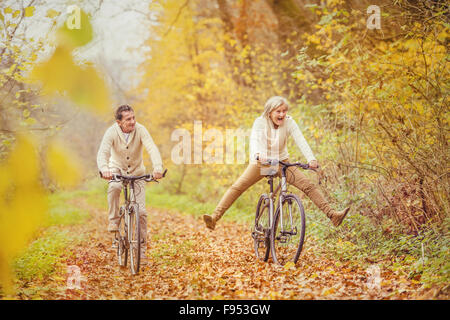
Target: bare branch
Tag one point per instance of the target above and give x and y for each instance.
(176, 18)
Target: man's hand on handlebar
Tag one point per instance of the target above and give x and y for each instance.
(157, 175)
(107, 175)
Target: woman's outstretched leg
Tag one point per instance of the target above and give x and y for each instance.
(298, 179)
(251, 175)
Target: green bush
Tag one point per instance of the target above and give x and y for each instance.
(41, 258)
(43, 255)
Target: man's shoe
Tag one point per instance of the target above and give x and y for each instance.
(337, 217)
(209, 221)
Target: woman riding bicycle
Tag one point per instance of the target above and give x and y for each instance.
(268, 140)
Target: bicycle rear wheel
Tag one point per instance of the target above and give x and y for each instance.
(121, 234)
(134, 239)
(288, 231)
(261, 229)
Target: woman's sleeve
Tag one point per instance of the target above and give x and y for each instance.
(257, 136)
(300, 140)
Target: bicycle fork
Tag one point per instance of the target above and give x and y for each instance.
(284, 234)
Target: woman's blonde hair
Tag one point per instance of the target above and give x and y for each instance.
(273, 103)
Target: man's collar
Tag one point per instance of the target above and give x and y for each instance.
(121, 133)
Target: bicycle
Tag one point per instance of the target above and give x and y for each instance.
(280, 232)
(128, 238)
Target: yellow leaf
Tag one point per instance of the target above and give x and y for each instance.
(29, 11)
(62, 165)
(289, 265)
(83, 85)
(24, 152)
(23, 204)
(420, 108)
(386, 282)
(76, 37)
(29, 121)
(328, 291)
(52, 13)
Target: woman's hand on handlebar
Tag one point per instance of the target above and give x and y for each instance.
(267, 161)
(313, 164)
(261, 159)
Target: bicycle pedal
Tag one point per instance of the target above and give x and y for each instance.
(283, 239)
(262, 242)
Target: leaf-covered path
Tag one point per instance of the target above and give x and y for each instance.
(188, 261)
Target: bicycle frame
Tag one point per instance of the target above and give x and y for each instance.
(282, 187)
(130, 198)
(128, 187)
(129, 195)
(128, 191)
(281, 229)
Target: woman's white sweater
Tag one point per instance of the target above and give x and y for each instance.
(271, 143)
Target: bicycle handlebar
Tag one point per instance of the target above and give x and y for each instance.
(146, 177)
(273, 162)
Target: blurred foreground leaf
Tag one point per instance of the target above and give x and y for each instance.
(82, 85)
(63, 166)
(23, 204)
(76, 37)
(60, 74)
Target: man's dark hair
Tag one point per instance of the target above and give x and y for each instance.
(122, 108)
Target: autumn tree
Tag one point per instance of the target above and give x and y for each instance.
(386, 92)
(27, 89)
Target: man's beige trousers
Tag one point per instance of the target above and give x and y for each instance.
(255, 172)
(114, 190)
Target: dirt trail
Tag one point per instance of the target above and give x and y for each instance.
(188, 261)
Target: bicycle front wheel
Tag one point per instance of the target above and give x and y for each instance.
(134, 239)
(261, 229)
(288, 231)
(122, 248)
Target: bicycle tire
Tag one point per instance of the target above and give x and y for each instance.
(261, 228)
(134, 238)
(287, 242)
(122, 248)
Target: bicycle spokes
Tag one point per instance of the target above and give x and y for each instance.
(134, 239)
(121, 241)
(261, 230)
(288, 231)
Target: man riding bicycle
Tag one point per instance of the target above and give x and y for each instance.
(121, 152)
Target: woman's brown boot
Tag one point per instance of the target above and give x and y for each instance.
(209, 221)
(336, 217)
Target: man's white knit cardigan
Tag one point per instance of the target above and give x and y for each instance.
(125, 156)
